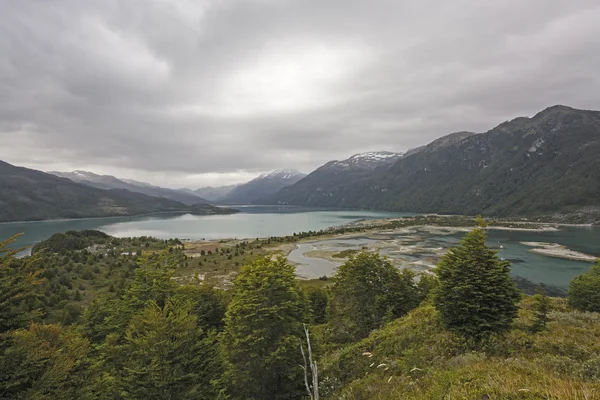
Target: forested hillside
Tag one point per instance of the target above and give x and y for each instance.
(110, 182)
(536, 166)
(89, 316)
(30, 195)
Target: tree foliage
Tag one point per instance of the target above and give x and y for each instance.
(368, 291)
(168, 355)
(263, 327)
(584, 290)
(541, 308)
(476, 296)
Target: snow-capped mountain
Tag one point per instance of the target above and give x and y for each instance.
(262, 186)
(322, 184)
(110, 182)
(368, 160)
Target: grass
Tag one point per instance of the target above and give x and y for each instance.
(419, 359)
(345, 253)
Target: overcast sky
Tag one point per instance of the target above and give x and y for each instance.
(192, 92)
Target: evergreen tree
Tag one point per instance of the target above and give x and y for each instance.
(318, 300)
(152, 280)
(541, 308)
(46, 362)
(476, 295)
(368, 291)
(584, 290)
(263, 327)
(168, 356)
(19, 279)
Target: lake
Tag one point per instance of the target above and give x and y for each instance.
(264, 221)
(251, 222)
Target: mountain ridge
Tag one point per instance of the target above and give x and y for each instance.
(262, 186)
(112, 182)
(546, 164)
(31, 195)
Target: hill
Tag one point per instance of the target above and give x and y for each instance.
(261, 187)
(544, 165)
(110, 182)
(211, 193)
(414, 357)
(325, 186)
(30, 195)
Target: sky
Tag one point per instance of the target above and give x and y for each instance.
(188, 93)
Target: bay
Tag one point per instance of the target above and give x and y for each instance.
(264, 221)
(251, 222)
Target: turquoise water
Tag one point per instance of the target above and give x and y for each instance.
(252, 221)
(533, 267)
(261, 221)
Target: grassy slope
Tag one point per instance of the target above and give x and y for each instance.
(423, 361)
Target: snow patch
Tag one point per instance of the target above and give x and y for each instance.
(538, 143)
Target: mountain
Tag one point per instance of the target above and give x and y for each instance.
(544, 165)
(261, 187)
(110, 182)
(322, 186)
(212, 193)
(30, 195)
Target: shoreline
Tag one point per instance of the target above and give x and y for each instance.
(556, 250)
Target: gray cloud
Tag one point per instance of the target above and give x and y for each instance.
(201, 92)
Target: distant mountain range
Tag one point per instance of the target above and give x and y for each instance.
(324, 186)
(261, 187)
(30, 195)
(110, 182)
(545, 165)
(211, 193)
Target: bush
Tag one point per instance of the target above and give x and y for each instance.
(476, 296)
(367, 292)
(584, 290)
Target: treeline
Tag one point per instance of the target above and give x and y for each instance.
(267, 337)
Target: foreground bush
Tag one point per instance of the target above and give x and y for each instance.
(584, 290)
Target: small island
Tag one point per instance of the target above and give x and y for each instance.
(209, 209)
(558, 251)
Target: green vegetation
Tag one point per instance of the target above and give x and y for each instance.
(542, 167)
(149, 327)
(584, 290)
(30, 195)
(208, 209)
(416, 358)
(345, 253)
(366, 292)
(475, 296)
(541, 309)
(263, 326)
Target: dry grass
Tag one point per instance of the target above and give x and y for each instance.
(423, 361)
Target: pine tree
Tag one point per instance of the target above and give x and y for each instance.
(18, 281)
(368, 291)
(263, 327)
(168, 356)
(541, 308)
(476, 296)
(584, 290)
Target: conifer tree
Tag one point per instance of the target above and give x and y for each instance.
(584, 290)
(476, 296)
(368, 291)
(168, 356)
(263, 328)
(541, 308)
